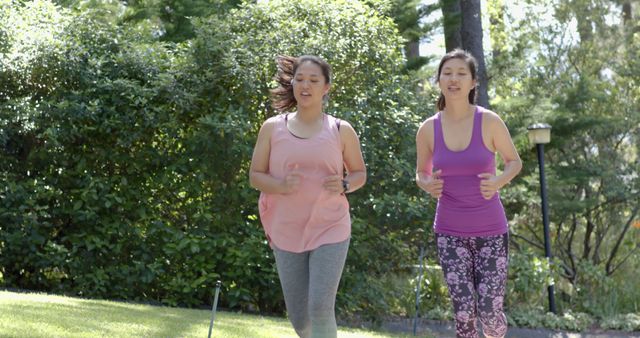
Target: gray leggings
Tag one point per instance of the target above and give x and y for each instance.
(310, 282)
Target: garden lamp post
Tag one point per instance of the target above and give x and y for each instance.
(540, 134)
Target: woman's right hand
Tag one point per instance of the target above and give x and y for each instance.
(291, 182)
(432, 184)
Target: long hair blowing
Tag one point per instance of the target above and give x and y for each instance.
(282, 98)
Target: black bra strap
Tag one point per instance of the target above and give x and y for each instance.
(286, 120)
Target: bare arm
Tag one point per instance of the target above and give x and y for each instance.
(426, 179)
(503, 144)
(353, 162)
(259, 176)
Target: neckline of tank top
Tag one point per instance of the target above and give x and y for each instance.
(286, 121)
(476, 116)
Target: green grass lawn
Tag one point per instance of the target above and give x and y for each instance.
(41, 315)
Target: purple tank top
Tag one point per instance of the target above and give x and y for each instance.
(461, 210)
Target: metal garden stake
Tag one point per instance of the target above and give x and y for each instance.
(418, 287)
(214, 307)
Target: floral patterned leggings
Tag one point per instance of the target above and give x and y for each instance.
(476, 272)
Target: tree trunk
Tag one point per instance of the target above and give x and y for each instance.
(610, 267)
(629, 25)
(412, 50)
(626, 14)
(471, 33)
(585, 25)
(452, 19)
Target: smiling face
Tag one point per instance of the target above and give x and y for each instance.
(456, 79)
(309, 85)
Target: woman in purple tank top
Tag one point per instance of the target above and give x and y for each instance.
(299, 163)
(456, 165)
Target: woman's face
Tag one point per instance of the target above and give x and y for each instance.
(456, 80)
(309, 85)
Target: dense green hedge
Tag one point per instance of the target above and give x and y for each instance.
(125, 159)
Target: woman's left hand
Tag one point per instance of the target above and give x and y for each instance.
(333, 184)
(488, 185)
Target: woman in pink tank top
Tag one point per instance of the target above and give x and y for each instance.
(299, 164)
(456, 165)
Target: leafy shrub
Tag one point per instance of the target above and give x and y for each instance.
(125, 159)
(527, 281)
(626, 322)
(536, 317)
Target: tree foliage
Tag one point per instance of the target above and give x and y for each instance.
(410, 16)
(586, 86)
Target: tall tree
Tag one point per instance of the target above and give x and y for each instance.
(471, 33)
(413, 27)
(409, 16)
(452, 18)
(629, 13)
(626, 12)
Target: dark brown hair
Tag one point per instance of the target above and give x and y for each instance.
(282, 97)
(473, 68)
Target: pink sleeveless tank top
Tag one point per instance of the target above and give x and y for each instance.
(461, 210)
(312, 216)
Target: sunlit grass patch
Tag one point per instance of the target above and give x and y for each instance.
(42, 315)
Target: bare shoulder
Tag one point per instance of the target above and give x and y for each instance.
(346, 130)
(491, 115)
(270, 123)
(426, 127)
(273, 119)
(492, 119)
(345, 124)
(348, 135)
(266, 130)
